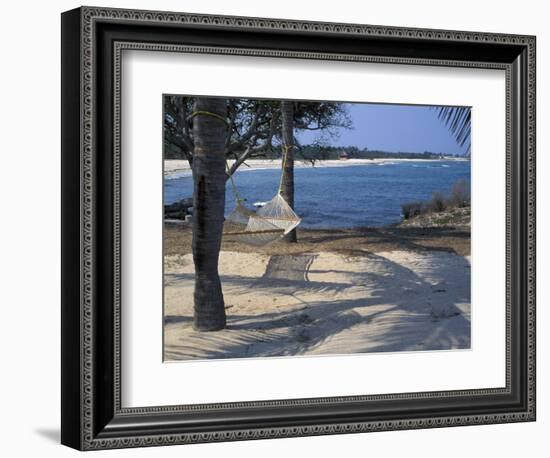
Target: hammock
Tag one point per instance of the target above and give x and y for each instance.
(244, 225)
(265, 225)
(268, 223)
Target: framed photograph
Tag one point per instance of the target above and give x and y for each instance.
(278, 228)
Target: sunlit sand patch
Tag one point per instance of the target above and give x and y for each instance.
(323, 303)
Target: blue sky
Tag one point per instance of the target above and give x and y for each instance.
(393, 128)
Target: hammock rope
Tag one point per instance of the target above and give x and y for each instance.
(209, 113)
(286, 149)
(233, 186)
(270, 222)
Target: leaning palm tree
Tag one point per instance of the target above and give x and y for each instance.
(210, 136)
(458, 120)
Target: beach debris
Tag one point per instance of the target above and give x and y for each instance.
(440, 311)
(179, 210)
(304, 318)
(440, 287)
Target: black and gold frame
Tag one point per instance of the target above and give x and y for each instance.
(92, 42)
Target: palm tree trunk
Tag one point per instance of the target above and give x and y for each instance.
(287, 182)
(209, 133)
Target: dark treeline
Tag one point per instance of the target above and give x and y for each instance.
(317, 153)
(323, 152)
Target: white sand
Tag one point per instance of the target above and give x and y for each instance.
(324, 303)
(176, 167)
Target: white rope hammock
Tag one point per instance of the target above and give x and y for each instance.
(265, 225)
(268, 223)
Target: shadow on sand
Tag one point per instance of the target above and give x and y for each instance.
(400, 311)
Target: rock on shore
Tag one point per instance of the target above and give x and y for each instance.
(453, 217)
(179, 209)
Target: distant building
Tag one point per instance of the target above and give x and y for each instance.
(343, 156)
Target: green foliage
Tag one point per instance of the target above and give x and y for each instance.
(412, 209)
(460, 194)
(459, 122)
(254, 125)
(459, 197)
(319, 151)
(438, 203)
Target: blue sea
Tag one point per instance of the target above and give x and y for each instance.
(343, 196)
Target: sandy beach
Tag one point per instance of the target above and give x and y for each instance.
(334, 292)
(177, 167)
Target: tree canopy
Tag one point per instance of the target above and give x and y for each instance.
(254, 126)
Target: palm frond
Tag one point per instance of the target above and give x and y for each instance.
(458, 121)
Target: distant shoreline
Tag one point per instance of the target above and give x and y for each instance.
(181, 167)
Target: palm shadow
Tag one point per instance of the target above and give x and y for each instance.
(425, 315)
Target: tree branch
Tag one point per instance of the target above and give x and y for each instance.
(249, 133)
(254, 149)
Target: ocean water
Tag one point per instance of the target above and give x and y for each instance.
(343, 196)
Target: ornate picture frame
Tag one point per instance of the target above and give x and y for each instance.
(92, 42)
